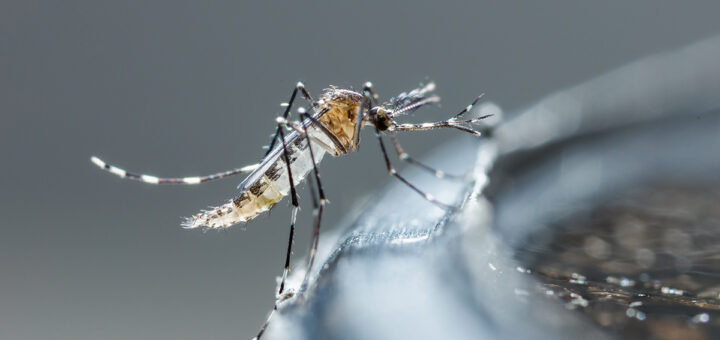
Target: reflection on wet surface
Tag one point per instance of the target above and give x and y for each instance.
(645, 265)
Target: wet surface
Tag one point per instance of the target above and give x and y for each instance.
(644, 265)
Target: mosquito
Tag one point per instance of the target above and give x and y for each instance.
(332, 128)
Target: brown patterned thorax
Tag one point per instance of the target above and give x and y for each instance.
(339, 110)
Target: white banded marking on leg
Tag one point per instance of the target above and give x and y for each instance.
(191, 180)
(117, 171)
(170, 180)
(110, 168)
(469, 107)
(250, 168)
(149, 179)
(98, 162)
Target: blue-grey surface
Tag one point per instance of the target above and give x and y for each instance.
(403, 269)
(408, 270)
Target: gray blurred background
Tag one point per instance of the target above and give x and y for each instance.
(188, 88)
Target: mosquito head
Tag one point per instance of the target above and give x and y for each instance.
(379, 117)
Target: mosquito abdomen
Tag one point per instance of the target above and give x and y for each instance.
(263, 193)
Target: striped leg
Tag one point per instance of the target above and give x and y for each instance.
(407, 158)
(370, 93)
(370, 98)
(367, 93)
(318, 205)
(318, 198)
(450, 123)
(295, 208)
(170, 180)
(469, 107)
(393, 172)
(317, 213)
(299, 87)
(267, 322)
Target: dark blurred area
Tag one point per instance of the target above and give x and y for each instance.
(187, 88)
(643, 266)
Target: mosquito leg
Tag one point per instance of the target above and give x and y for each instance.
(317, 212)
(318, 205)
(450, 123)
(370, 93)
(393, 172)
(295, 208)
(361, 113)
(301, 88)
(267, 322)
(168, 180)
(407, 158)
(318, 198)
(469, 107)
(369, 97)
